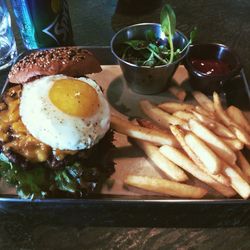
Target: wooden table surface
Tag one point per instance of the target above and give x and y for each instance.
(94, 23)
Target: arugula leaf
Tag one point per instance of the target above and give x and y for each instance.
(168, 20)
(168, 23)
(156, 55)
(150, 61)
(154, 47)
(193, 34)
(137, 44)
(150, 36)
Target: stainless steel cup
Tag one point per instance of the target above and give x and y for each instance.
(144, 79)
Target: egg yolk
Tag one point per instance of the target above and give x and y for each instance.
(74, 97)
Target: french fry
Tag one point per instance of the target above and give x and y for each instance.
(204, 101)
(220, 112)
(165, 187)
(234, 144)
(208, 122)
(223, 131)
(154, 136)
(244, 165)
(184, 115)
(202, 111)
(210, 136)
(238, 117)
(184, 162)
(241, 134)
(238, 183)
(238, 170)
(172, 107)
(178, 92)
(215, 126)
(149, 124)
(210, 160)
(169, 168)
(180, 137)
(216, 144)
(159, 116)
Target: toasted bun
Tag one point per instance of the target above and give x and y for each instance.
(70, 61)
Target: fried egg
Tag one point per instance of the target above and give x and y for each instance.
(65, 113)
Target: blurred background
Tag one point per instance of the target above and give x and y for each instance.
(224, 21)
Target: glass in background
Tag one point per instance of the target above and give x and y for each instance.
(8, 50)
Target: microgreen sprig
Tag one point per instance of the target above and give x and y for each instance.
(153, 51)
(168, 24)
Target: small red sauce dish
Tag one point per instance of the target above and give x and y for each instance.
(210, 66)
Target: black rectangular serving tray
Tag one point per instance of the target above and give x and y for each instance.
(143, 211)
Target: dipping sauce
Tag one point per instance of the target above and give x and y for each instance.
(211, 67)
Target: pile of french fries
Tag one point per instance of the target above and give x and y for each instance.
(181, 139)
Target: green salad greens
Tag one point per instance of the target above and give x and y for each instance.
(153, 51)
(77, 179)
(40, 181)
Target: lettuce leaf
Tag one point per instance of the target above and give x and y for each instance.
(40, 181)
(29, 184)
(68, 179)
(77, 179)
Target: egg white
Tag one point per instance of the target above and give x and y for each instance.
(55, 128)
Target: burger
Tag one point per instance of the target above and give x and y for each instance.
(55, 126)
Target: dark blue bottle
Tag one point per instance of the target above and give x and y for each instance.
(43, 23)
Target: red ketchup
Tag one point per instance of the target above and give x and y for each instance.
(211, 67)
